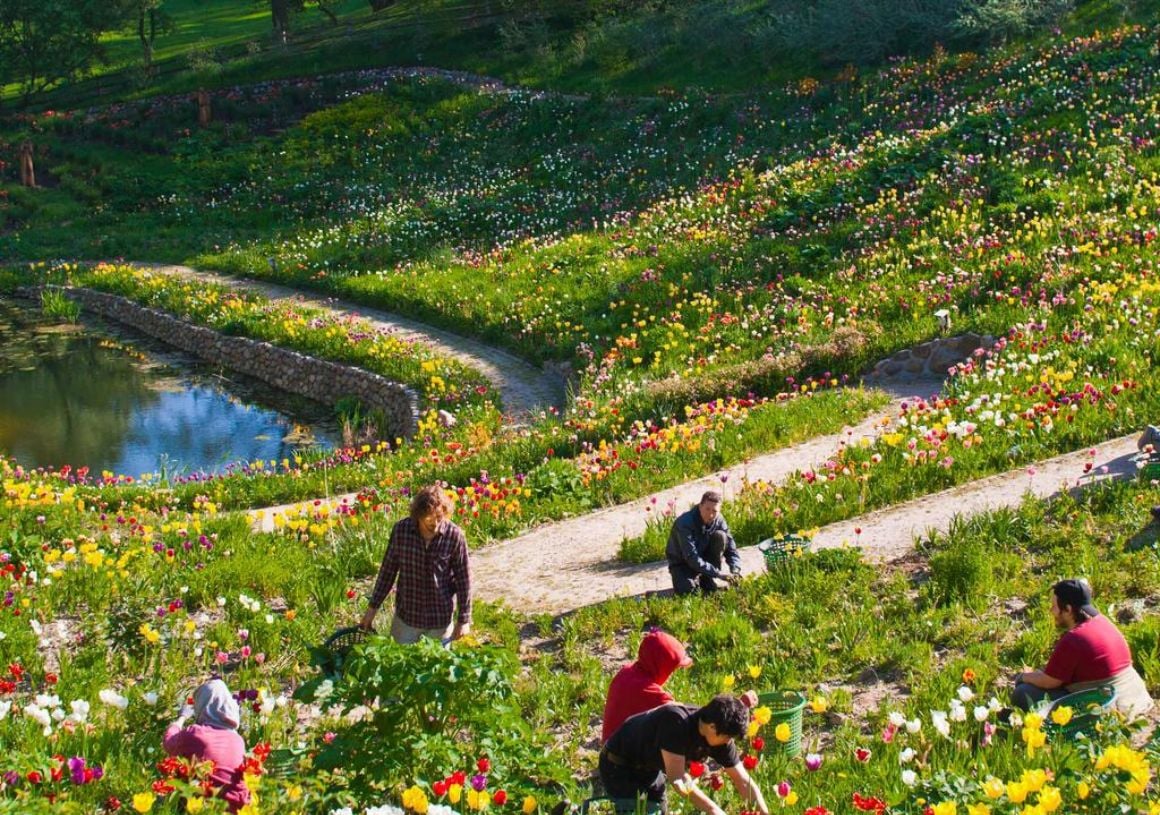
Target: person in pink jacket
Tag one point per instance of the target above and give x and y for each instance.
(213, 737)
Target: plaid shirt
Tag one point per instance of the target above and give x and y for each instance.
(429, 575)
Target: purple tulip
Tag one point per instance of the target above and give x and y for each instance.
(813, 762)
(478, 782)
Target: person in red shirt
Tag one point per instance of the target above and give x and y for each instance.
(638, 687)
(1092, 652)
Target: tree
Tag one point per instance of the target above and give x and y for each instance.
(44, 43)
(281, 12)
(151, 21)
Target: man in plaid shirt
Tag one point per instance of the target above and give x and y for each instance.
(427, 555)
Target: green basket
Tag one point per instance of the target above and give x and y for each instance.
(285, 762)
(786, 707)
(1087, 706)
(779, 551)
(1150, 469)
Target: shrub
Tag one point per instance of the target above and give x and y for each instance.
(961, 573)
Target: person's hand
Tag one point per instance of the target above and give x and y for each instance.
(185, 712)
(734, 578)
(367, 623)
(460, 630)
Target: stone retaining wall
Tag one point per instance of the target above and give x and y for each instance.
(317, 379)
(930, 359)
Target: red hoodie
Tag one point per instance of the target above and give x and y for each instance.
(637, 687)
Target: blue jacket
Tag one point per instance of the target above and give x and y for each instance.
(689, 541)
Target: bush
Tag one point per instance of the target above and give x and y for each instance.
(961, 573)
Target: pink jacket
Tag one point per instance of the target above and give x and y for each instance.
(224, 748)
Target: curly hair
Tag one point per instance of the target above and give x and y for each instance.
(727, 714)
(430, 500)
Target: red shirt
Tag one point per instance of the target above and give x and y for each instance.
(637, 687)
(1095, 649)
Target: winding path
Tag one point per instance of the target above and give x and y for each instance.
(522, 387)
(563, 566)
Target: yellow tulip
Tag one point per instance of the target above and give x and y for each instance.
(195, 804)
(1016, 791)
(454, 793)
(762, 715)
(993, 787)
(1034, 779)
(978, 809)
(945, 808)
(790, 799)
(819, 704)
(782, 732)
(529, 805)
(727, 682)
(143, 801)
(1061, 715)
(1049, 799)
(754, 671)
(1083, 790)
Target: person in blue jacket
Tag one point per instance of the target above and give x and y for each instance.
(700, 546)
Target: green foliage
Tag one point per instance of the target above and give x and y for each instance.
(427, 709)
(46, 42)
(961, 573)
(56, 304)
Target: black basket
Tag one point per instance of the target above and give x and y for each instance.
(338, 646)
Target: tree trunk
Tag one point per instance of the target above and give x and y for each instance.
(27, 171)
(204, 116)
(147, 34)
(280, 16)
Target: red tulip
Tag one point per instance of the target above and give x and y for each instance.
(758, 744)
(484, 764)
(696, 769)
(750, 762)
(500, 797)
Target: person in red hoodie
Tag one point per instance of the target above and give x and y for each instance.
(638, 687)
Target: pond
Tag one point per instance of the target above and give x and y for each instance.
(96, 395)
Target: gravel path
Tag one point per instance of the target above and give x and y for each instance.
(564, 566)
(522, 387)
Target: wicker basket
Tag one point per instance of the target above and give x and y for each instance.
(779, 551)
(786, 707)
(338, 646)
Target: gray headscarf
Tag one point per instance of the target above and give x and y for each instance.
(215, 706)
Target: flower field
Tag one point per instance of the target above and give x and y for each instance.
(109, 613)
(718, 271)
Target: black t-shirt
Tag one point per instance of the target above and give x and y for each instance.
(641, 738)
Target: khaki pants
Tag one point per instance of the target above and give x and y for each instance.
(408, 635)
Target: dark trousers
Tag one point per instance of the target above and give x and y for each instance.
(1027, 696)
(686, 581)
(631, 783)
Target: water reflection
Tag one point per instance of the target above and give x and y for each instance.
(88, 398)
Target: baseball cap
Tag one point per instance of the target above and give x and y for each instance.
(1076, 593)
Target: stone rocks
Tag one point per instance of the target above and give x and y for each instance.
(930, 359)
(291, 371)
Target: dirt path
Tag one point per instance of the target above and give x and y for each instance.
(564, 566)
(522, 387)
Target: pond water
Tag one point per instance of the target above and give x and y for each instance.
(97, 396)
